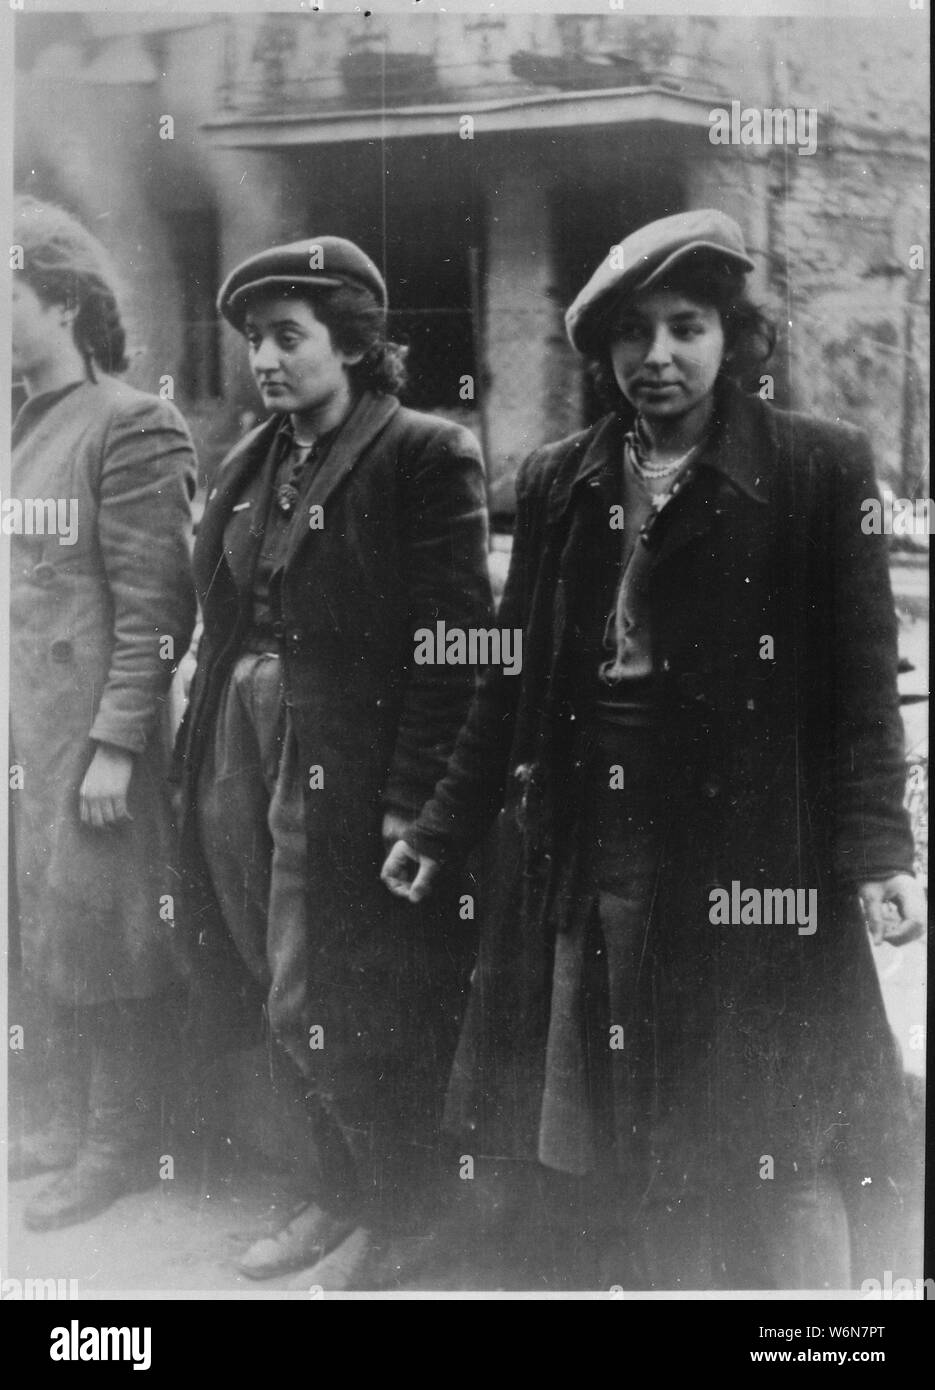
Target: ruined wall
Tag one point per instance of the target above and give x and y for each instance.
(832, 233)
(853, 221)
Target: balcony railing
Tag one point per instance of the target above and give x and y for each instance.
(279, 65)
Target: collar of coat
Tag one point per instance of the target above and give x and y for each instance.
(34, 407)
(370, 415)
(742, 447)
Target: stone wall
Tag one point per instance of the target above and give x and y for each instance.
(837, 236)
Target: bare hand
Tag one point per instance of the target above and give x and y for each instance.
(103, 793)
(407, 874)
(894, 909)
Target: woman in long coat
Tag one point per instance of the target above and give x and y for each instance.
(701, 779)
(102, 607)
(332, 534)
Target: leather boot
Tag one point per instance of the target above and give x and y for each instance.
(55, 1141)
(112, 1159)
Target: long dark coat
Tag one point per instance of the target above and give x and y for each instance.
(96, 630)
(403, 544)
(783, 772)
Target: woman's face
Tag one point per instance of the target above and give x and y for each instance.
(296, 366)
(666, 352)
(39, 331)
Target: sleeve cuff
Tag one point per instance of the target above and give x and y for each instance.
(429, 845)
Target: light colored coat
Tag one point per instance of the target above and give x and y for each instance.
(97, 627)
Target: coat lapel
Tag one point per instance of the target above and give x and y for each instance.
(581, 545)
(589, 461)
(370, 415)
(37, 465)
(242, 462)
(739, 458)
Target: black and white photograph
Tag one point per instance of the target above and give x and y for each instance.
(465, 589)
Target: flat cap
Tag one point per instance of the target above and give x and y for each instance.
(315, 263)
(646, 256)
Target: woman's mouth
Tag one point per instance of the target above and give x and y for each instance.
(657, 388)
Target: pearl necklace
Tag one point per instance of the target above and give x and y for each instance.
(640, 449)
(657, 471)
(647, 474)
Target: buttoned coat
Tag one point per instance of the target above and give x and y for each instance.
(774, 642)
(399, 543)
(98, 624)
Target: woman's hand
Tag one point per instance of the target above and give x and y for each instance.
(894, 909)
(103, 793)
(407, 874)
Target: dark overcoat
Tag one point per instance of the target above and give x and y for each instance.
(400, 543)
(782, 767)
(97, 627)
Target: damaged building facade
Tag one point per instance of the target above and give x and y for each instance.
(487, 162)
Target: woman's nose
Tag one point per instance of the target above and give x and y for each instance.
(264, 356)
(660, 349)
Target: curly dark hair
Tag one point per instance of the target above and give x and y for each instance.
(64, 264)
(357, 322)
(749, 332)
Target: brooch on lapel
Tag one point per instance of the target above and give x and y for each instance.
(287, 493)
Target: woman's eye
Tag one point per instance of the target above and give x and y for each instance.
(287, 340)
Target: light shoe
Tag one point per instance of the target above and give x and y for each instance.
(304, 1241)
(354, 1264)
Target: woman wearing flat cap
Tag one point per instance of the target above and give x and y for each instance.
(700, 780)
(331, 534)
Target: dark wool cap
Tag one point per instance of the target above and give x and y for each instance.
(646, 257)
(315, 263)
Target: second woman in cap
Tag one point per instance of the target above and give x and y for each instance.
(332, 533)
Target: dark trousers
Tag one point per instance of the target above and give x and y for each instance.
(251, 820)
